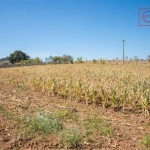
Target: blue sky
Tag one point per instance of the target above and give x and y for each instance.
(92, 29)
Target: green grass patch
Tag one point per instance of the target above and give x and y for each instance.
(146, 141)
(43, 123)
(6, 113)
(70, 138)
(97, 124)
(2, 110)
(66, 115)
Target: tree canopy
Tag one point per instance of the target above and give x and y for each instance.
(17, 56)
(60, 59)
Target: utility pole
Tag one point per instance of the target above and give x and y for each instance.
(123, 52)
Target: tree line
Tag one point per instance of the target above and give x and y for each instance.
(19, 57)
(59, 59)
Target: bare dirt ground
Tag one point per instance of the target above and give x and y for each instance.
(128, 127)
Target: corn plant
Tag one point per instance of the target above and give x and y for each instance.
(95, 96)
(145, 102)
(87, 94)
(79, 89)
(113, 97)
(110, 85)
(53, 86)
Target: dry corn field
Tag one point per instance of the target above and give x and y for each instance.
(76, 106)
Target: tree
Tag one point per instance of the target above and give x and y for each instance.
(136, 59)
(67, 59)
(148, 58)
(46, 60)
(80, 60)
(36, 60)
(17, 56)
(57, 59)
(50, 59)
(61, 59)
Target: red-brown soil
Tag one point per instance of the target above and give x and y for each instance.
(129, 127)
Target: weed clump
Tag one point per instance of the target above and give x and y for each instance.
(43, 123)
(70, 138)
